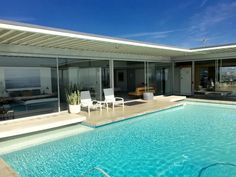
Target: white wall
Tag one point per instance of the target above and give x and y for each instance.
(177, 80)
(73, 75)
(168, 79)
(86, 78)
(185, 81)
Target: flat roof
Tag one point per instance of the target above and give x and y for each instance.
(15, 33)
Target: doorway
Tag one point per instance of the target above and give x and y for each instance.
(128, 75)
(159, 77)
(185, 81)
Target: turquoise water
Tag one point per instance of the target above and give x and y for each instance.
(179, 142)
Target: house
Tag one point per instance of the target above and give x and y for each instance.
(38, 63)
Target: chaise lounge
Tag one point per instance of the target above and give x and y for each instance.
(140, 90)
(111, 99)
(86, 101)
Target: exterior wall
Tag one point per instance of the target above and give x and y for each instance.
(49, 76)
(213, 64)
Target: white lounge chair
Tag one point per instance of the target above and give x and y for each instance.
(111, 99)
(86, 101)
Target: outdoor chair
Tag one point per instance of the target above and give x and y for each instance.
(6, 114)
(86, 101)
(111, 99)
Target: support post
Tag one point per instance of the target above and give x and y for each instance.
(58, 86)
(145, 75)
(193, 77)
(111, 71)
(173, 77)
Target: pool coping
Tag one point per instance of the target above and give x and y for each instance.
(211, 101)
(37, 138)
(44, 125)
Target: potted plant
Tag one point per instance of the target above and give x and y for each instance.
(73, 100)
(148, 94)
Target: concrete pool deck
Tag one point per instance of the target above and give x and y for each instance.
(6, 170)
(28, 125)
(132, 109)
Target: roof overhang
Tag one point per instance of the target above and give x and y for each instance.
(14, 33)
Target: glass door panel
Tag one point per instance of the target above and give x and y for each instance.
(87, 75)
(159, 77)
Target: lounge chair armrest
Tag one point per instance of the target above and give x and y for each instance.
(119, 98)
(95, 101)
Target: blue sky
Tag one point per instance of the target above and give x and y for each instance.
(182, 23)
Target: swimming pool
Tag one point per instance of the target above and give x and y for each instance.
(191, 140)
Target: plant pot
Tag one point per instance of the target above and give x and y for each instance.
(148, 96)
(74, 108)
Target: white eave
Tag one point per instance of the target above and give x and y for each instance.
(12, 33)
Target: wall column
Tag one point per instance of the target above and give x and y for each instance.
(193, 77)
(173, 76)
(58, 86)
(145, 75)
(111, 71)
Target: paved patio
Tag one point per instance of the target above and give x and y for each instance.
(99, 118)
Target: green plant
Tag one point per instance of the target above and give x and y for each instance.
(73, 98)
(73, 95)
(72, 88)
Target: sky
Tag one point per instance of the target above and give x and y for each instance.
(181, 23)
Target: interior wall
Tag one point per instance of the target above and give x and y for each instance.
(168, 79)
(177, 81)
(133, 75)
(86, 78)
(121, 82)
(139, 77)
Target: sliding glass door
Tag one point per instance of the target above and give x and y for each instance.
(226, 77)
(85, 75)
(28, 86)
(128, 77)
(159, 77)
(214, 79)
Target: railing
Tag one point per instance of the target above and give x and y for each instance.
(95, 169)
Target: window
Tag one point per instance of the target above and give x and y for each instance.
(21, 77)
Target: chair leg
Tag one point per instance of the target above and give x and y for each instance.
(107, 106)
(100, 107)
(88, 110)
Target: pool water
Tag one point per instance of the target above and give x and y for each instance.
(180, 142)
